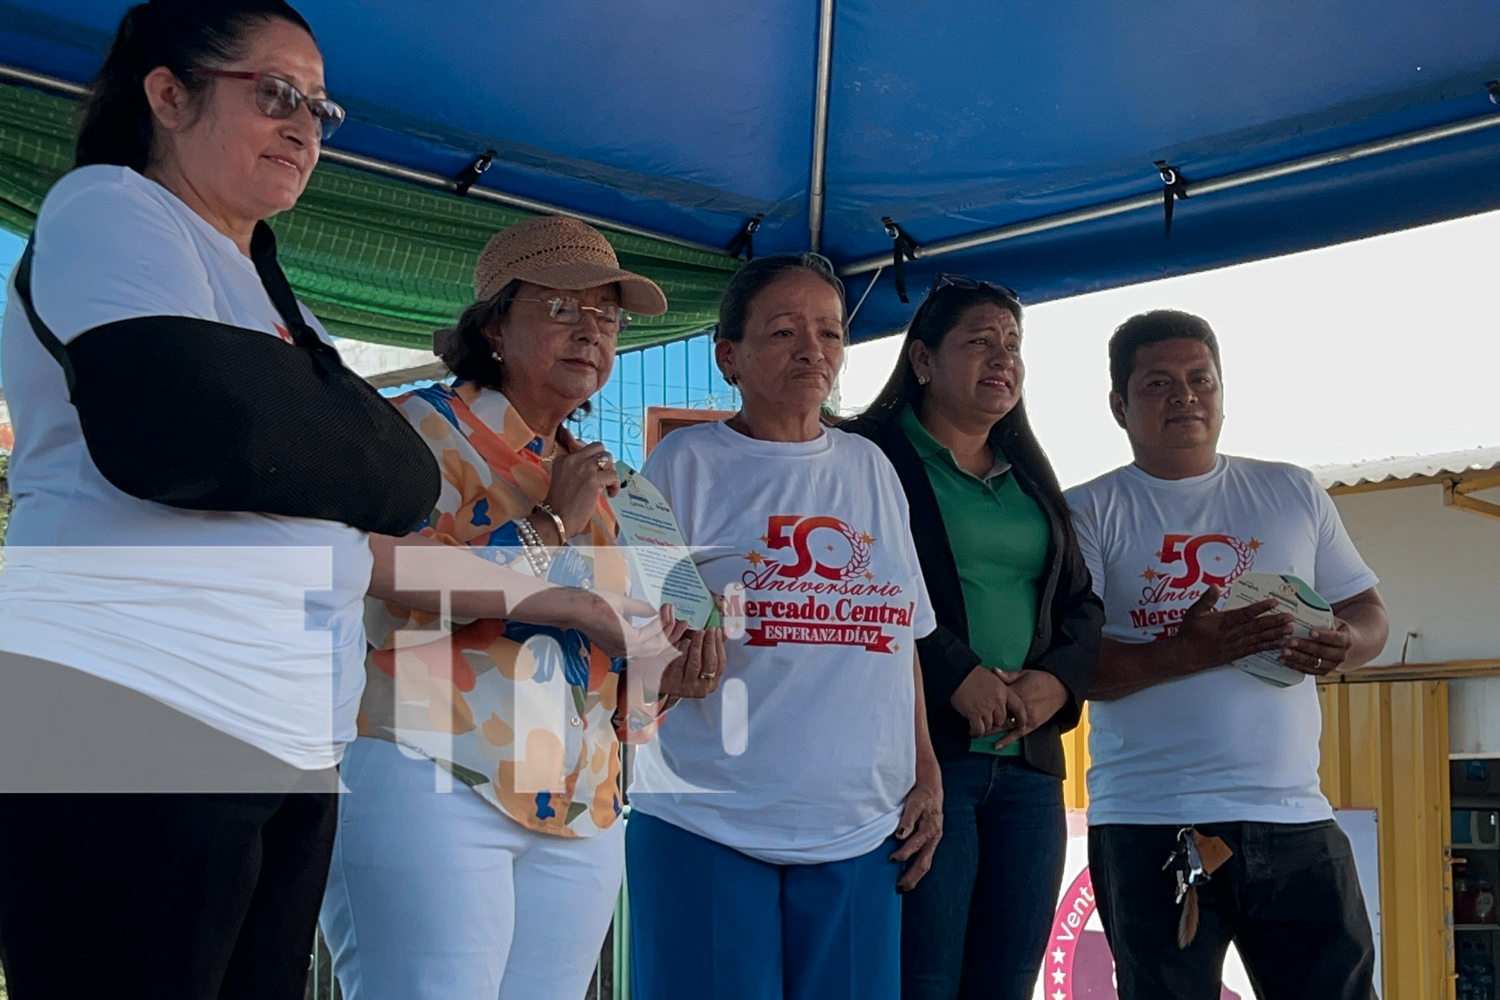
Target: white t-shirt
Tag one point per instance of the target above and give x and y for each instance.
(807, 751)
(1222, 745)
(248, 622)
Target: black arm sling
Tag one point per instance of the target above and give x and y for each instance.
(207, 416)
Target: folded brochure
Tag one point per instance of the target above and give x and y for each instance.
(1293, 596)
(659, 557)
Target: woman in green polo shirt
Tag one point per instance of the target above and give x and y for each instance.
(1008, 668)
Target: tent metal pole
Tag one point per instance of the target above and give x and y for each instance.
(441, 183)
(435, 372)
(15, 74)
(816, 191)
(423, 178)
(1229, 181)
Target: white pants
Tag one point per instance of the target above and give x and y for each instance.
(438, 895)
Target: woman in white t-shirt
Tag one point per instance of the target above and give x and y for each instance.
(220, 658)
(772, 820)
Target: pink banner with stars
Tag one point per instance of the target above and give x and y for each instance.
(1078, 965)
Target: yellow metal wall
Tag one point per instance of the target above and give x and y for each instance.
(1076, 749)
(1384, 747)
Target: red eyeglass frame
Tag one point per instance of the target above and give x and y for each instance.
(327, 123)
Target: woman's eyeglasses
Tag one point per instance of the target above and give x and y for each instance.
(278, 98)
(970, 284)
(569, 311)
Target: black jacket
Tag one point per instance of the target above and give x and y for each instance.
(1066, 642)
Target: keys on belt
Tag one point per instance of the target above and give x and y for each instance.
(1193, 860)
(1186, 863)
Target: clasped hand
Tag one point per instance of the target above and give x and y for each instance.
(1015, 702)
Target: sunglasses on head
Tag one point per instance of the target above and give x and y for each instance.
(280, 99)
(971, 284)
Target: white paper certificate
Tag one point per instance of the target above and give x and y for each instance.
(1294, 597)
(658, 554)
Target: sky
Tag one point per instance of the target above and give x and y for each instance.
(11, 246)
(1385, 347)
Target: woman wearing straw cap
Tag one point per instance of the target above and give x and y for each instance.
(505, 888)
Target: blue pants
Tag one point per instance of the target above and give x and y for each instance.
(709, 922)
(977, 924)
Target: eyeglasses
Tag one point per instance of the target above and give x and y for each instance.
(569, 311)
(971, 284)
(278, 98)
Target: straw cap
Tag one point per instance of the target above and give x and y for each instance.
(558, 252)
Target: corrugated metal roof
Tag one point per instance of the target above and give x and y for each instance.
(1390, 470)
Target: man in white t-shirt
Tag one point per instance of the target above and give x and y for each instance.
(1182, 740)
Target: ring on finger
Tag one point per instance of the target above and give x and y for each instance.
(603, 462)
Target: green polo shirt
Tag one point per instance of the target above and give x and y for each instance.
(999, 537)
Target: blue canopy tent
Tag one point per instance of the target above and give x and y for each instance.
(1033, 144)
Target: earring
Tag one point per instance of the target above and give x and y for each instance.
(497, 357)
(921, 380)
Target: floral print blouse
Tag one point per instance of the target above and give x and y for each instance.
(527, 716)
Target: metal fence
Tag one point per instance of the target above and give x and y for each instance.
(680, 373)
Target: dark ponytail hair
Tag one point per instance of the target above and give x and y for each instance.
(937, 317)
(758, 274)
(466, 348)
(117, 125)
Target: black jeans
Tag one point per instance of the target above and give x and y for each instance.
(976, 926)
(1289, 899)
(162, 897)
(145, 854)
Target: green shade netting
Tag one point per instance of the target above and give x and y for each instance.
(376, 259)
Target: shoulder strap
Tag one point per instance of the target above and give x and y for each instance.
(263, 254)
(43, 332)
